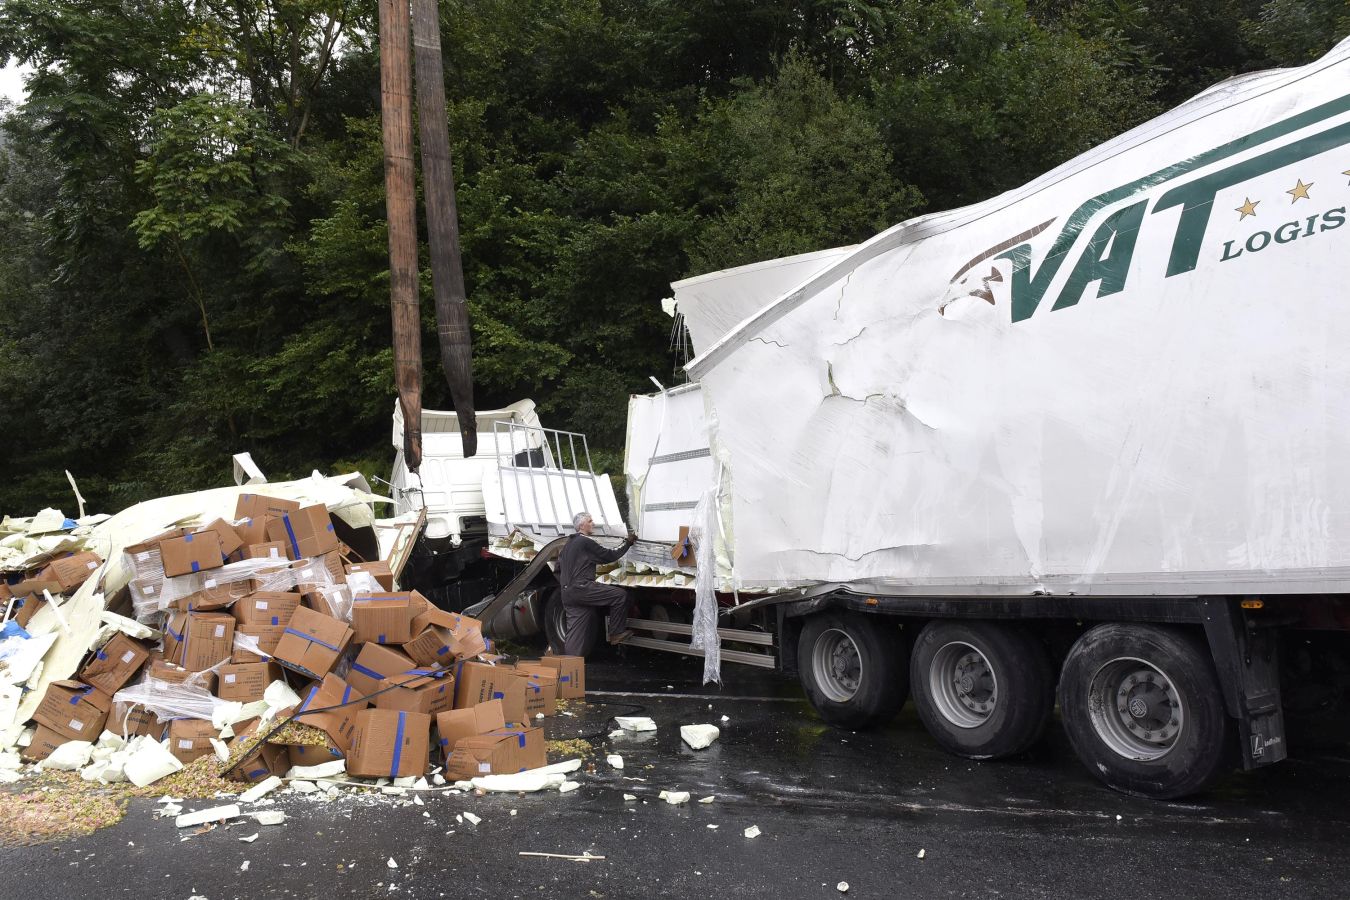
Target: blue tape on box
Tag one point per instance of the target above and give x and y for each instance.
(398, 746)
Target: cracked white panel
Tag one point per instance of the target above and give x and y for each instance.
(885, 423)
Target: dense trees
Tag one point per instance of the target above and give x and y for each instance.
(191, 198)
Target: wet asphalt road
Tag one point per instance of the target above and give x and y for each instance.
(832, 806)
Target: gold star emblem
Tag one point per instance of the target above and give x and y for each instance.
(1247, 209)
(1299, 191)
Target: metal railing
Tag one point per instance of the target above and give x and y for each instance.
(538, 453)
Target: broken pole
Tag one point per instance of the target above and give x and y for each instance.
(400, 206)
(438, 181)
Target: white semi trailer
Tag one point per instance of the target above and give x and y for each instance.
(1086, 442)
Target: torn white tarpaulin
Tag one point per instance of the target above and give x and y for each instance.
(1094, 383)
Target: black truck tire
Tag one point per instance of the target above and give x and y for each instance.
(853, 668)
(555, 626)
(1144, 710)
(982, 689)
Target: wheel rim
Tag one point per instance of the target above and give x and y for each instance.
(837, 665)
(963, 685)
(1136, 709)
(558, 613)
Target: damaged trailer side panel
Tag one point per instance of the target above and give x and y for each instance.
(1125, 378)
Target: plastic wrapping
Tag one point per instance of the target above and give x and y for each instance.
(167, 700)
(705, 637)
(239, 577)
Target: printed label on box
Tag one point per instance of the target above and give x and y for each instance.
(260, 604)
(220, 631)
(128, 656)
(76, 725)
(184, 745)
(229, 679)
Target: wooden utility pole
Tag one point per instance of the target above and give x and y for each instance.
(400, 204)
(438, 182)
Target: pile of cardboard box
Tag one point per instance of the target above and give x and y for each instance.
(26, 592)
(392, 682)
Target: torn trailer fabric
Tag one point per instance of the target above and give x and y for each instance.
(1123, 378)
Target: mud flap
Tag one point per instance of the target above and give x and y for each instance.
(1246, 657)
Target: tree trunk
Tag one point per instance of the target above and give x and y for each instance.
(400, 203)
(438, 179)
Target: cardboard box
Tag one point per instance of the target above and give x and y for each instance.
(26, 607)
(266, 608)
(74, 710)
(224, 531)
(461, 723)
(251, 531)
(377, 570)
(163, 670)
(191, 553)
(266, 550)
(306, 532)
(389, 743)
(477, 683)
(683, 551)
(35, 583)
(374, 664)
(256, 506)
(315, 756)
(69, 572)
(208, 639)
(190, 739)
(571, 675)
(331, 602)
(431, 647)
(44, 743)
(262, 761)
(115, 664)
(431, 693)
(214, 593)
(266, 636)
(501, 752)
(246, 682)
(439, 637)
(312, 643)
(541, 691)
(382, 618)
(131, 719)
(338, 723)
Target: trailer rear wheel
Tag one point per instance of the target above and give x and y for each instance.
(1143, 709)
(982, 690)
(555, 626)
(853, 668)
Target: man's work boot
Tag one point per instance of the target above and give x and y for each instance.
(621, 636)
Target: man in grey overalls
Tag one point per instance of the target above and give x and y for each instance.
(581, 596)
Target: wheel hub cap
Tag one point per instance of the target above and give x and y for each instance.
(1136, 709)
(962, 685)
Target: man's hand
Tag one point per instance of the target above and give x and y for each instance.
(632, 536)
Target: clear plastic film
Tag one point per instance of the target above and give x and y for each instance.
(219, 587)
(170, 700)
(703, 532)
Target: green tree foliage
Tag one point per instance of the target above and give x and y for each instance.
(192, 199)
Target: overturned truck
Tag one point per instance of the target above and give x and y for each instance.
(1082, 442)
